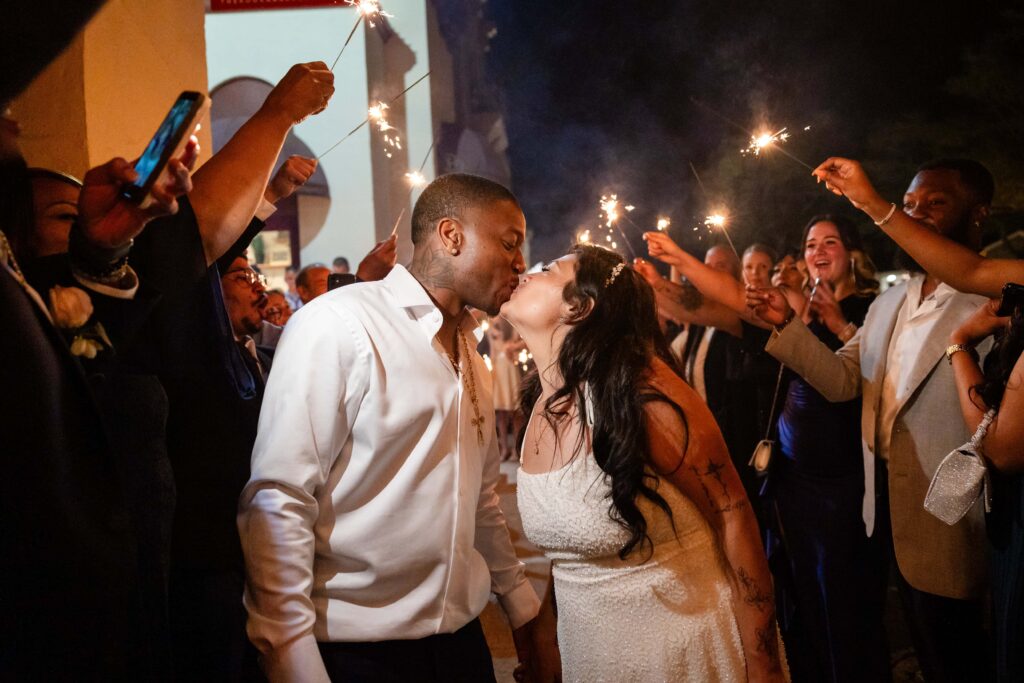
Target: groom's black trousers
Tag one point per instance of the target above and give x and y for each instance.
(460, 657)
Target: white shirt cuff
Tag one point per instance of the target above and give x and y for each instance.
(265, 210)
(297, 662)
(521, 604)
(110, 290)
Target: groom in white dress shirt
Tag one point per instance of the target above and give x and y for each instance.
(371, 527)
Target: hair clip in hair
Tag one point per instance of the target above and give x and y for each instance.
(615, 273)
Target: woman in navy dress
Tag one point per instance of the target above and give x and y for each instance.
(830, 576)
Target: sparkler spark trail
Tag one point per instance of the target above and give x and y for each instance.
(392, 140)
(755, 137)
(610, 211)
(718, 220)
(366, 9)
(367, 119)
(759, 142)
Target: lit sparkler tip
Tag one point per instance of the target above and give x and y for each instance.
(663, 224)
(763, 140)
(629, 207)
(416, 179)
(610, 208)
(715, 220)
(370, 9)
(584, 237)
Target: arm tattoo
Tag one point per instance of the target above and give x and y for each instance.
(752, 593)
(768, 640)
(714, 472)
(433, 269)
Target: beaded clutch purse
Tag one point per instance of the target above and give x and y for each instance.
(960, 479)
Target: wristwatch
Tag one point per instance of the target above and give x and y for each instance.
(956, 348)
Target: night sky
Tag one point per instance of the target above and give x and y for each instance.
(599, 97)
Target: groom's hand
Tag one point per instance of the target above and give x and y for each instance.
(537, 649)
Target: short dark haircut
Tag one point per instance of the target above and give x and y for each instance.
(302, 279)
(340, 261)
(449, 196)
(973, 173)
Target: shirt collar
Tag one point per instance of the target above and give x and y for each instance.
(411, 295)
(940, 296)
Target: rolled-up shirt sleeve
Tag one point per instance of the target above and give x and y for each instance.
(320, 376)
(508, 574)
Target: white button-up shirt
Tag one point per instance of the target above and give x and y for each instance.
(371, 513)
(914, 325)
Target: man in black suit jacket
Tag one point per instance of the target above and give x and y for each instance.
(73, 601)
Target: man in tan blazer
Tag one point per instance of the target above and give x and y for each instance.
(910, 421)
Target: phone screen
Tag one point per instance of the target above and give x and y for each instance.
(167, 137)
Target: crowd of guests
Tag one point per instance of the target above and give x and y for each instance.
(138, 343)
(874, 390)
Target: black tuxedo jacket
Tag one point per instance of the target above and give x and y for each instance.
(70, 605)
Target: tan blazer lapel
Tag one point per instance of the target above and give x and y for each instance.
(877, 335)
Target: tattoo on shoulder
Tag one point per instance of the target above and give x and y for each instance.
(753, 594)
(433, 268)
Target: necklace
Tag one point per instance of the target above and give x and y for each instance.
(468, 380)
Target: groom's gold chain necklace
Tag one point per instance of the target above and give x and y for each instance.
(468, 381)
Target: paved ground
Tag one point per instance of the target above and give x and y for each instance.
(904, 662)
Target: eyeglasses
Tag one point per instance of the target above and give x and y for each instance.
(247, 275)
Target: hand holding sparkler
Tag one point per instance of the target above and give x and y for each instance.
(661, 247)
(824, 305)
(293, 174)
(847, 178)
(378, 263)
(769, 304)
(647, 271)
(304, 91)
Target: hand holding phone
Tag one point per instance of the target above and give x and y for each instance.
(108, 219)
(168, 142)
(1012, 299)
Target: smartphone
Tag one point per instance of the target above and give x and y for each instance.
(1013, 298)
(170, 139)
(335, 280)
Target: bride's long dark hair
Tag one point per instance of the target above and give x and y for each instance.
(609, 349)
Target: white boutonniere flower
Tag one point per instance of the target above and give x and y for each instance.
(71, 309)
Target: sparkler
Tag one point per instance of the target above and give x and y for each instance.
(718, 220)
(758, 141)
(392, 140)
(397, 221)
(365, 9)
(610, 210)
(370, 114)
(663, 223)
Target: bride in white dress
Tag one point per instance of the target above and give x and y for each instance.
(626, 485)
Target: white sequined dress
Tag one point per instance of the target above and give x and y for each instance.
(667, 619)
